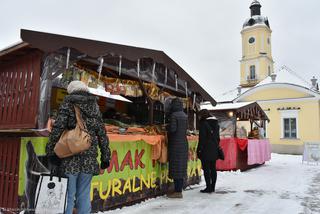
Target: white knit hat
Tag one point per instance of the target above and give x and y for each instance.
(77, 85)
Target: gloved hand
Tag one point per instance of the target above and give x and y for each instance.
(54, 160)
(104, 164)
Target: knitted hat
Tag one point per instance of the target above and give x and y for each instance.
(77, 85)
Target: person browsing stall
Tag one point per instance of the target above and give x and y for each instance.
(177, 146)
(207, 149)
(81, 167)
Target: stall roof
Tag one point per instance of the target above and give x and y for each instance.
(48, 42)
(243, 110)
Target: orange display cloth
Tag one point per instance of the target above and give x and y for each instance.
(157, 142)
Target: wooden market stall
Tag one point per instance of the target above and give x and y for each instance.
(243, 149)
(134, 86)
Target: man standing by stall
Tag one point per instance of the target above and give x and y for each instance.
(177, 146)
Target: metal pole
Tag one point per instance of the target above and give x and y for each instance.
(176, 80)
(153, 71)
(68, 58)
(138, 67)
(120, 64)
(166, 76)
(100, 66)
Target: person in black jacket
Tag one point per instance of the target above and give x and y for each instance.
(207, 151)
(177, 146)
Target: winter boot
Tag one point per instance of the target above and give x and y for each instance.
(175, 195)
(213, 187)
(206, 190)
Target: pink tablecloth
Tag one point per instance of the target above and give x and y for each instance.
(259, 151)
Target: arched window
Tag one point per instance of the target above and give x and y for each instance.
(252, 75)
(269, 70)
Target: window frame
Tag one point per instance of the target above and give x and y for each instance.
(290, 120)
(254, 72)
(289, 114)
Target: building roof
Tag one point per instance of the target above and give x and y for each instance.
(284, 76)
(230, 95)
(48, 42)
(255, 3)
(287, 76)
(242, 110)
(225, 106)
(256, 20)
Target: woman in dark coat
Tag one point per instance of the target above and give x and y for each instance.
(81, 167)
(177, 146)
(207, 151)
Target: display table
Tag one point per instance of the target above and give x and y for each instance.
(243, 153)
(259, 151)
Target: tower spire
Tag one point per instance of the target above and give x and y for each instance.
(255, 8)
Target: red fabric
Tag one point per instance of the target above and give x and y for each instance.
(229, 146)
(242, 143)
(236, 154)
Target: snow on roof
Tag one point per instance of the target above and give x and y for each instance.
(11, 45)
(286, 75)
(225, 106)
(229, 96)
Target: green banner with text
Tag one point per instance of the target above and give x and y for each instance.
(131, 176)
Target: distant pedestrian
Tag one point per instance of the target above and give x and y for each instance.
(177, 147)
(207, 150)
(81, 167)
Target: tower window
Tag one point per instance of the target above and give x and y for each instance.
(269, 70)
(252, 75)
(268, 40)
(251, 40)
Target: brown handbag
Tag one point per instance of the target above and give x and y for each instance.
(73, 141)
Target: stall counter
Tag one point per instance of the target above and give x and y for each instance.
(243, 153)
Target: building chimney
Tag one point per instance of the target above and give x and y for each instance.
(314, 83)
(273, 77)
(239, 90)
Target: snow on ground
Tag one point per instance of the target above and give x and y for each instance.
(282, 186)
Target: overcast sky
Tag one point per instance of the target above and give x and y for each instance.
(203, 36)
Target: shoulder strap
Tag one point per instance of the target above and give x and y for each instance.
(79, 118)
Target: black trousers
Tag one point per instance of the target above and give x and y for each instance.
(178, 184)
(210, 173)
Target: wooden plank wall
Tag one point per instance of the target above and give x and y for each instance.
(9, 171)
(19, 92)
